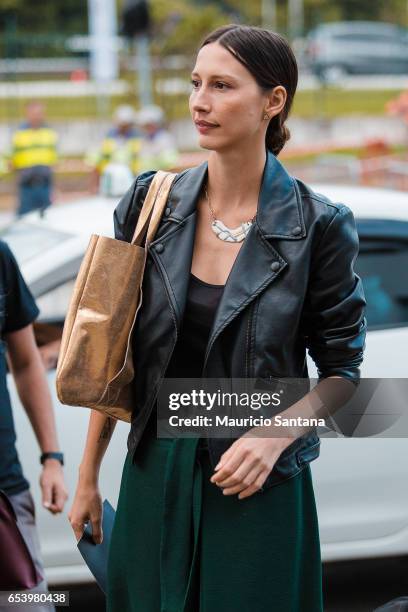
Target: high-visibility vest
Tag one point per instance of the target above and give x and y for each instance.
(114, 150)
(34, 147)
(158, 152)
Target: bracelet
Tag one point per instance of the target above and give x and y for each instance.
(58, 456)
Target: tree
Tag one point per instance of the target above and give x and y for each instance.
(362, 9)
(47, 17)
(180, 29)
(179, 25)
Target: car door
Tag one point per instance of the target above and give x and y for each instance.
(361, 483)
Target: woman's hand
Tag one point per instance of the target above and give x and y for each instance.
(87, 506)
(246, 464)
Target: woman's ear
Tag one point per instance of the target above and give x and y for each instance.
(275, 101)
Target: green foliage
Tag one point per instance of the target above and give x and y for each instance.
(178, 25)
(319, 11)
(181, 29)
(67, 17)
(350, 9)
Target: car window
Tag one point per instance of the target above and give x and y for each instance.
(383, 268)
(28, 240)
(54, 304)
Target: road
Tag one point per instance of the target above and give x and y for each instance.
(348, 587)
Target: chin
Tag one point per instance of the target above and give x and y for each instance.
(205, 143)
(214, 144)
(207, 146)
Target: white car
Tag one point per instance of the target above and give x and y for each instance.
(360, 483)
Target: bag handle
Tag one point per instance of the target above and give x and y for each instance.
(153, 206)
(160, 203)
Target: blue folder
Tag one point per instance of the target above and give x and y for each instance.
(96, 555)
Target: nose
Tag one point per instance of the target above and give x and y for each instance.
(199, 100)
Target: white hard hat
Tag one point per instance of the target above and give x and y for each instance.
(124, 114)
(150, 114)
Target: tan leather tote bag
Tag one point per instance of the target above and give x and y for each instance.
(95, 365)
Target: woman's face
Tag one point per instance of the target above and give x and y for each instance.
(226, 96)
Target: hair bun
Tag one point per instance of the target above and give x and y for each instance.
(277, 136)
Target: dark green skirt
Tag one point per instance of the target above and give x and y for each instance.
(180, 545)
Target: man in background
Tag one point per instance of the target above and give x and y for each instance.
(121, 144)
(158, 150)
(34, 154)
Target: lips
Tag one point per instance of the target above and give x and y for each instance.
(205, 124)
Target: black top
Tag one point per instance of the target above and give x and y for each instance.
(17, 310)
(187, 359)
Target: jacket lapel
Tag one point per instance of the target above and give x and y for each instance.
(258, 263)
(172, 247)
(250, 274)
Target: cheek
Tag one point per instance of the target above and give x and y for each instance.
(244, 115)
(253, 108)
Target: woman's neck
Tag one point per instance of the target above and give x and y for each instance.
(235, 178)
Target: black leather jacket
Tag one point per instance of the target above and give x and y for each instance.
(292, 288)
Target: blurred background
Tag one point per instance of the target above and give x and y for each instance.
(82, 60)
(93, 93)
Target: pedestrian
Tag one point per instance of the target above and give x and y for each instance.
(18, 310)
(249, 269)
(158, 150)
(34, 154)
(121, 144)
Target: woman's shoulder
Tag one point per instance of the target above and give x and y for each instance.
(7, 258)
(128, 209)
(319, 210)
(145, 178)
(4, 249)
(322, 200)
(127, 212)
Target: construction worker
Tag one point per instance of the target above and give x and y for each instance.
(34, 154)
(158, 151)
(121, 144)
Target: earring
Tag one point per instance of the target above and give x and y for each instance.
(266, 116)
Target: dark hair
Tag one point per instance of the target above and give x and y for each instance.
(269, 58)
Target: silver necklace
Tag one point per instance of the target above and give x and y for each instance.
(227, 234)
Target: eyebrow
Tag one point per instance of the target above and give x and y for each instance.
(217, 76)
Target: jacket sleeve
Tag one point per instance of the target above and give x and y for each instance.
(127, 212)
(334, 318)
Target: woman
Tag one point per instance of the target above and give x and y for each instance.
(248, 269)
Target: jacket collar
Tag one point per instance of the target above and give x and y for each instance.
(279, 216)
(279, 213)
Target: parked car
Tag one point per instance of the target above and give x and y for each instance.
(360, 483)
(335, 50)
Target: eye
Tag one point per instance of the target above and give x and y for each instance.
(194, 83)
(221, 85)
